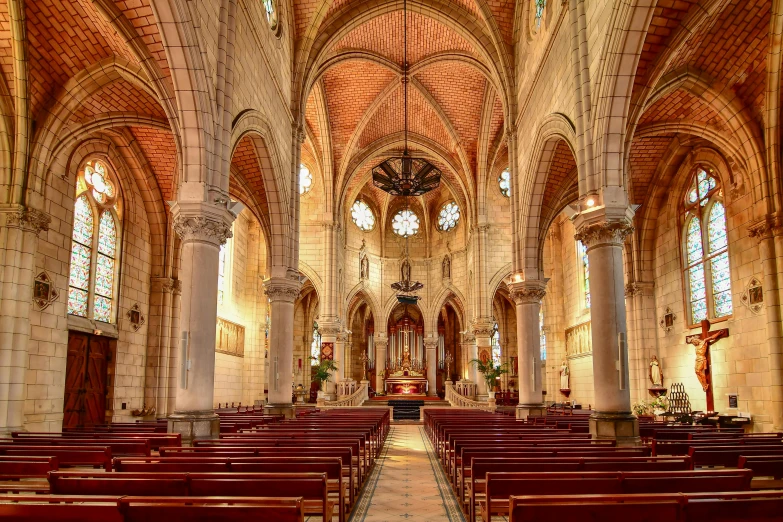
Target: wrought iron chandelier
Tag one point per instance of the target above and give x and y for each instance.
(405, 175)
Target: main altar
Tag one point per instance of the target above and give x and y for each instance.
(406, 377)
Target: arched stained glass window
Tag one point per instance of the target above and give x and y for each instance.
(504, 182)
(496, 345)
(584, 265)
(92, 291)
(540, 5)
(315, 346)
(270, 7)
(707, 272)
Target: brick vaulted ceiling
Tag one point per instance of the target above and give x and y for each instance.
(356, 106)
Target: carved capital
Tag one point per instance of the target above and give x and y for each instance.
(29, 219)
(283, 290)
(638, 288)
(468, 338)
(604, 233)
(163, 284)
(764, 228)
(202, 229)
(528, 292)
(483, 328)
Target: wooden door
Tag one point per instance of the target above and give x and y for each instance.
(86, 377)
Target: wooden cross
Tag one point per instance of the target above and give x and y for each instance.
(703, 366)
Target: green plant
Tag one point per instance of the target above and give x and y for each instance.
(322, 370)
(490, 371)
(641, 408)
(660, 404)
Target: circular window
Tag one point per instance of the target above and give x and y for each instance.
(504, 181)
(362, 215)
(305, 180)
(270, 7)
(405, 223)
(448, 217)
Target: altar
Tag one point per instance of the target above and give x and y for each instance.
(406, 385)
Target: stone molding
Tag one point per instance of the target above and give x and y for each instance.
(431, 344)
(284, 290)
(166, 285)
(29, 219)
(468, 338)
(765, 228)
(190, 228)
(604, 233)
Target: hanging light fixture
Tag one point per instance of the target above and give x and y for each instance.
(405, 175)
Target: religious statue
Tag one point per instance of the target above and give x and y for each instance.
(446, 268)
(702, 344)
(656, 375)
(405, 270)
(365, 267)
(406, 358)
(564, 376)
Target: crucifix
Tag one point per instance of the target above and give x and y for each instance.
(703, 367)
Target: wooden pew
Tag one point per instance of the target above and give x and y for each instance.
(689, 507)
(312, 487)
(332, 466)
(479, 467)
(96, 456)
(501, 486)
(28, 474)
(127, 447)
(728, 456)
(149, 509)
(156, 439)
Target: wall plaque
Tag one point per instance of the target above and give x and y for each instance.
(230, 338)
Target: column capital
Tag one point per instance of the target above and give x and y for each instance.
(26, 218)
(528, 292)
(765, 227)
(280, 289)
(202, 222)
(164, 284)
(639, 288)
(468, 338)
(430, 344)
(483, 327)
(330, 328)
(604, 233)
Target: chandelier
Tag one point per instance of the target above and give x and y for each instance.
(405, 175)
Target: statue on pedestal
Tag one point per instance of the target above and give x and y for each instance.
(656, 375)
(565, 378)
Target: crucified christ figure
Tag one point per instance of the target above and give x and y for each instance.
(702, 343)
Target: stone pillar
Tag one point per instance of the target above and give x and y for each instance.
(763, 233)
(528, 295)
(604, 240)
(470, 353)
(329, 331)
(282, 293)
(431, 348)
(18, 247)
(642, 338)
(483, 330)
(340, 357)
(159, 344)
(202, 228)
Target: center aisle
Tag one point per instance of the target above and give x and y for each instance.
(407, 483)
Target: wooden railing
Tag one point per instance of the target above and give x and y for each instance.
(356, 399)
(460, 401)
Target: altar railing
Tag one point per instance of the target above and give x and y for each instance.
(356, 399)
(460, 401)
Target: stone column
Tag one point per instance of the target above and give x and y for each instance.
(767, 233)
(642, 339)
(483, 330)
(528, 295)
(604, 240)
(329, 331)
(159, 339)
(470, 353)
(431, 348)
(202, 228)
(282, 293)
(18, 247)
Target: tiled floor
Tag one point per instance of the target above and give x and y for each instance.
(407, 483)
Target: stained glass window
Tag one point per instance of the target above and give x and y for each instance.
(504, 182)
(707, 271)
(496, 345)
(305, 179)
(584, 265)
(405, 223)
(221, 273)
(315, 346)
(270, 8)
(448, 217)
(94, 246)
(542, 333)
(362, 215)
(540, 6)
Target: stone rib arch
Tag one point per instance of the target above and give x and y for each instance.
(312, 275)
(498, 279)
(445, 295)
(555, 128)
(368, 297)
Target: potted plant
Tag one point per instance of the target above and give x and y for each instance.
(321, 372)
(491, 373)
